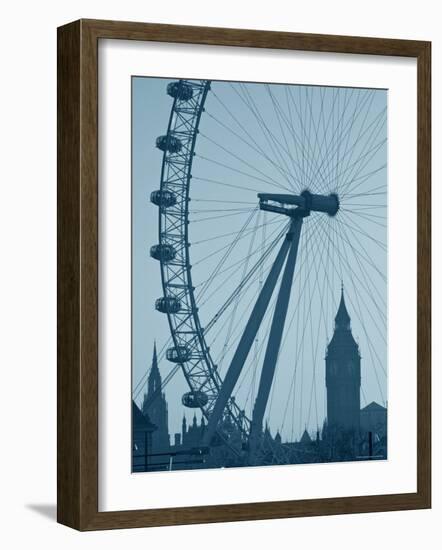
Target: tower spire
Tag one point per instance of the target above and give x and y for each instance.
(155, 358)
(154, 380)
(342, 319)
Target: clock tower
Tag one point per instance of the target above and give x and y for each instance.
(343, 375)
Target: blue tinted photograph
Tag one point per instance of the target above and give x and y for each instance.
(259, 274)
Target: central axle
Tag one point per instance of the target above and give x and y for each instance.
(299, 205)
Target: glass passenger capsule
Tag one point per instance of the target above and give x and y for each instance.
(163, 198)
(169, 143)
(180, 90)
(163, 252)
(194, 399)
(168, 304)
(178, 354)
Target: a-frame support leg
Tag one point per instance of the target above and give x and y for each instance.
(275, 337)
(243, 349)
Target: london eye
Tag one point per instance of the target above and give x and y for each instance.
(271, 199)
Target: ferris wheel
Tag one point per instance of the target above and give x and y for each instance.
(271, 197)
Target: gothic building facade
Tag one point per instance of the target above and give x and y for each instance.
(343, 375)
(155, 407)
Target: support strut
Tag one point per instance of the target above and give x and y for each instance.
(274, 341)
(243, 349)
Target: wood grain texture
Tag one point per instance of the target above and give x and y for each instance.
(68, 276)
(424, 274)
(77, 223)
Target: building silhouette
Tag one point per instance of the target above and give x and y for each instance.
(191, 435)
(305, 438)
(348, 432)
(142, 429)
(155, 407)
(374, 419)
(343, 375)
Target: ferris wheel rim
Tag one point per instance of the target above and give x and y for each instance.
(205, 360)
(211, 372)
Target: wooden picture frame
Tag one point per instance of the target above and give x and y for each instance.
(78, 274)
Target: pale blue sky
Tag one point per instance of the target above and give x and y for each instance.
(345, 126)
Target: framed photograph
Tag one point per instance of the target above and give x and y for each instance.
(243, 274)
